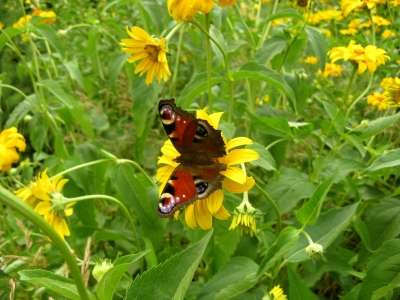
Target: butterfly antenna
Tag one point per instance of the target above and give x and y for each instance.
(166, 171)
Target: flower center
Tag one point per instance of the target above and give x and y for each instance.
(397, 96)
(152, 52)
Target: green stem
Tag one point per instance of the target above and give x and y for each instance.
(266, 32)
(81, 166)
(119, 203)
(7, 198)
(19, 92)
(139, 168)
(245, 25)
(52, 60)
(274, 143)
(208, 63)
(372, 26)
(352, 76)
(273, 204)
(174, 30)
(8, 229)
(177, 59)
(371, 79)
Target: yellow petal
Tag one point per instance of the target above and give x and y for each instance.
(239, 156)
(235, 174)
(169, 149)
(215, 117)
(43, 207)
(203, 216)
(214, 201)
(237, 188)
(239, 141)
(168, 160)
(189, 216)
(222, 213)
(164, 173)
(201, 114)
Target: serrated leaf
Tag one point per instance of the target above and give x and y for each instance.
(19, 112)
(297, 289)
(55, 88)
(272, 126)
(256, 71)
(383, 221)
(286, 240)
(273, 46)
(234, 278)
(328, 227)
(383, 272)
(170, 279)
(309, 212)
(74, 71)
(8, 33)
(59, 284)
(196, 86)
(375, 126)
(318, 44)
(387, 160)
(51, 36)
(266, 160)
(109, 282)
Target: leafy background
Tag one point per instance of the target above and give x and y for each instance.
(331, 171)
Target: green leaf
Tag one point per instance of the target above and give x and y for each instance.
(376, 126)
(234, 278)
(115, 64)
(335, 116)
(318, 44)
(256, 71)
(217, 35)
(8, 33)
(19, 112)
(55, 88)
(285, 13)
(361, 228)
(109, 282)
(155, 14)
(73, 70)
(309, 212)
(383, 221)
(271, 47)
(329, 226)
(170, 279)
(135, 193)
(297, 289)
(196, 86)
(383, 272)
(356, 142)
(286, 240)
(151, 257)
(265, 160)
(57, 283)
(92, 52)
(272, 126)
(51, 36)
(387, 160)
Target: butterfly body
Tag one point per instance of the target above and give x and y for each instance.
(198, 174)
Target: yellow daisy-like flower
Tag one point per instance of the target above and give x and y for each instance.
(349, 5)
(302, 5)
(312, 60)
(369, 57)
(389, 81)
(204, 6)
(278, 294)
(26, 194)
(50, 16)
(331, 70)
(388, 33)
(152, 53)
(182, 9)
(376, 100)
(392, 93)
(10, 141)
(352, 28)
(244, 220)
(394, 2)
(225, 3)
(22, 22)
(202, 211)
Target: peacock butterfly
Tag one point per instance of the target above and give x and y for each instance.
(198, 174)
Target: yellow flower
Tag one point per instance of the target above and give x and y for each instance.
(379, 21)
(182, 9)
(352, 28)
(1, 25)
(225, 3)
(302, 5)
(244, 220)
(10, 141)
(326, 32)
(324, 15)
(279, 21)
(204, 6)
(202, 211)
(392, 93)
(278, 294)
(153, 54)
(394, 2)
(312, 60)
(22, 22)
(369, 57)
(350, 5)
(26, 194)
(376, 100)
(387, 82)
(331, 70)
(51, 205)
(50, 16)
(387, 34)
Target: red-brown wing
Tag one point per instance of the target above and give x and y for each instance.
(186, 185)
(188, 134)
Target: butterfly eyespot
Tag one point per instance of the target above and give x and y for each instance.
(167, 115)
(201, 187)
(201, 131)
